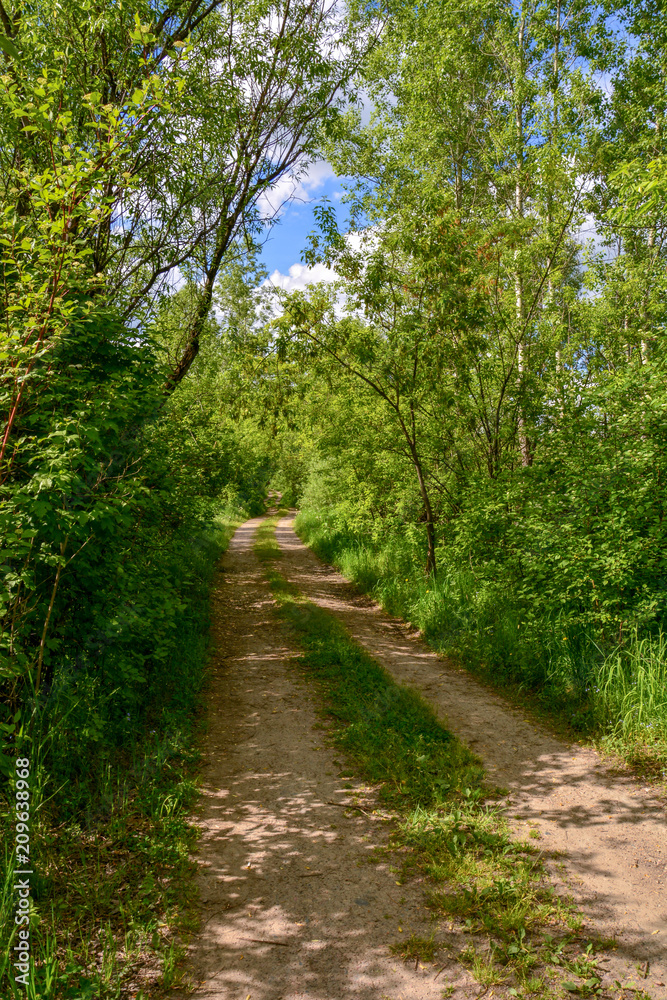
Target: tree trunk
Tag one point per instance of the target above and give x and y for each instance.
(428, 510)
(524, 446)
(191, 349)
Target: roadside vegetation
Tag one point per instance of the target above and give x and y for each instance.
(111, 787)
(611, 693)
(448, 831)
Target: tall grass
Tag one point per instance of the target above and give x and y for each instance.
(621, 692)
(631, 690)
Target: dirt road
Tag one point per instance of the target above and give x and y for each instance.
(295, 907)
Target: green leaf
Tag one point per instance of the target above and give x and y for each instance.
(8, 47)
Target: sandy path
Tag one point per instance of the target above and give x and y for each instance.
(611, 831)
(293, 906)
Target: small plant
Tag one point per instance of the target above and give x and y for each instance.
(534, 985)
(415, 948)
(482, 966)
(172, 972)
(591, 987)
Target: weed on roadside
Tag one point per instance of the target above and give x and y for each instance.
(415, 948)
(266, 547)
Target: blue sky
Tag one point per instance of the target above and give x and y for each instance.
(282, 251)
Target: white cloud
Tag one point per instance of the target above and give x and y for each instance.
(299, 276)
(272, 203)
(318, 174)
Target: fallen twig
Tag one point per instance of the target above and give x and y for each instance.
(349, 805)
(283, 944)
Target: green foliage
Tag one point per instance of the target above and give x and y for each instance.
(113, 754)
(630, 696)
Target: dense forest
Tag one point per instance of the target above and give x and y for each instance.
(470, 416)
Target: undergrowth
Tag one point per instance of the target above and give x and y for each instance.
(449, 832)
(613, 695)
(112, 898)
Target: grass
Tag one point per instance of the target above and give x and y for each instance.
(449, 833)
(416, 948)
(614, 698)
(631, 696)
(113, 897)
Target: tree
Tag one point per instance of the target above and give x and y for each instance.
(219, 101)
(412, 305)
(494, 106)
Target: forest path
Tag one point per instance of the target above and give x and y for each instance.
(611, 832)
(294, 906)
